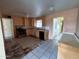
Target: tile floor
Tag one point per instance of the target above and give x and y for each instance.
(45, 50)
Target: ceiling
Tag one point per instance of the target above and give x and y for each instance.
(35, 8)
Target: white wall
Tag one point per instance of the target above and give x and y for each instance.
(2, 51)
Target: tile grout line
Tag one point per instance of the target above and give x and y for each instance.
(43, 53)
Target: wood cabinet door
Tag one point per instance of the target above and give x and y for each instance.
(67, 52)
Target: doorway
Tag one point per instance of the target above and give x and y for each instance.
(57, 26)
(8, 28)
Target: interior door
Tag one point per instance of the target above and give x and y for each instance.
(8, 28)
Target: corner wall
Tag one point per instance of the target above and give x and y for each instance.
(77, 25)
(2, 49)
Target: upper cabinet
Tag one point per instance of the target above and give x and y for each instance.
(18, 21)
(26, 22)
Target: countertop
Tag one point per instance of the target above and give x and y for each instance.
(32, 27)
(69, 39)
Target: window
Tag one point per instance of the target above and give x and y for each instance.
(38, 23)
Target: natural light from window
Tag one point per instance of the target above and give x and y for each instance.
(39, 23)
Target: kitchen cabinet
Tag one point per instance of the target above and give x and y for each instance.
(67, 52)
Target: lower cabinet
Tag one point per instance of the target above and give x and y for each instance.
(67, 52)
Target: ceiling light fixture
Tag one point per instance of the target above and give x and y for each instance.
(51, 8)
